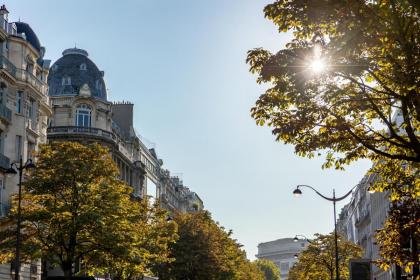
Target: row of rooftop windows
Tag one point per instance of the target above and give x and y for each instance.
(82, 67)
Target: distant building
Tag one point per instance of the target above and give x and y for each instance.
(24, 110)
(282, 252)
(175, 197)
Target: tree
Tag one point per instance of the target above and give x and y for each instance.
(271, 271)
(399, 238)
(143, 244)
(351, 66)
(317, 261)
(76, 209)
(347, 86)
(205, 251)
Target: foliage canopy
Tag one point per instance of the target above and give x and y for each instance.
(206, 251)
(366, 102)
(270, 269)
(317, 261)
(75, 208)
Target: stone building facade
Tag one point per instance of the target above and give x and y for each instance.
(24, 110)
(81, 112)
(282, 252)
(361, 217)
(175, 197)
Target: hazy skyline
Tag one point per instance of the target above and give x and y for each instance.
(182, 63)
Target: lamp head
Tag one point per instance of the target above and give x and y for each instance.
(297, 192)
(296, 239)
(30, 164)
(11, 170)
(296, 256)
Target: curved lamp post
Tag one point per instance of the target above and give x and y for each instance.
(296, 239)
(12, 170)
(333, 199)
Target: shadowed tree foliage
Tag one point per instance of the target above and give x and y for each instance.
(271, 271)
(399, 238)
(371, 53)
(76, 209)
(317, 261)
(205, 251)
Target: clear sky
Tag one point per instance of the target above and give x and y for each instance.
(182, 63)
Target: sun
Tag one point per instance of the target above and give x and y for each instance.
(317, 66)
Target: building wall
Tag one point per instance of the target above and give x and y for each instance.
(24, 110)
(282, 252)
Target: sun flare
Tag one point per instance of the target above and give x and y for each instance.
(317, 66)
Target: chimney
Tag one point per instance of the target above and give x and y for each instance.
(4, 12)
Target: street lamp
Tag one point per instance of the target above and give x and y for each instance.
(334, 199)
(296, 239)
(20, 167)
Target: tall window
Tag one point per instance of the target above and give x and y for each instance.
(3, 93)
(83, 115)
(18, 147)
(19, 97)
(2, 208)
(31, 150)
(1, 142)
(31, 109)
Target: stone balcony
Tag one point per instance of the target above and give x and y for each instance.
(25, 76)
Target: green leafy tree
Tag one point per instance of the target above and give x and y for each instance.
(270, 269)
(76, 209)
(317, 261)
(370, 55)
(206, 251)
(347, 87)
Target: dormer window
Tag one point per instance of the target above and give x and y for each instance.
(83, 66)
(55, 67)
(66, 81)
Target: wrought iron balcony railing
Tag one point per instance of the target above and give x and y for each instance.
(7, 65)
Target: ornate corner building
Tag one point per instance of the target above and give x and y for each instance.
(68, 102)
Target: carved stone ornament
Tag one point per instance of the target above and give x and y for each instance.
(85, 91)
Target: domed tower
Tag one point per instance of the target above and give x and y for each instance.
(78, 93)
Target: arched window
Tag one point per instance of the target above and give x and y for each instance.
(83, 66)
(83, 115)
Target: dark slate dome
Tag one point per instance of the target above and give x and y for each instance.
(72, 71)
(31, 37)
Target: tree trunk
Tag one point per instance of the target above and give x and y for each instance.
(414, 251)
(67, 269)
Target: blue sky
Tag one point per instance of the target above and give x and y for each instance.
(182, 63)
